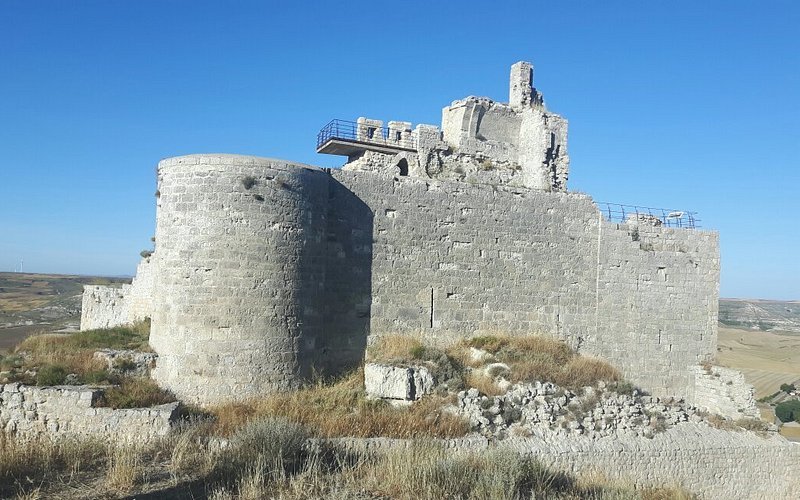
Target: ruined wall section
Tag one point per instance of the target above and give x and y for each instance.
(241, 264)
(109, 306)
(452, 259)
(141, 294)
(32, 412)
(104, 306)
(657, 302)
(723, 391)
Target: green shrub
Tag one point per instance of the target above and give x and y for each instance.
(788, 388)
(51, 375)
(788, 410)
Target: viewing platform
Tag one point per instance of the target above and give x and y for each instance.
(346, 138)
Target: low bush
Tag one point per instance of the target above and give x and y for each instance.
(51, 375)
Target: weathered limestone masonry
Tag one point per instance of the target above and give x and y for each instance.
(241, 259)
(31, 412)
(725, 392)
(735, 465)
(104, 306)
(266, 269)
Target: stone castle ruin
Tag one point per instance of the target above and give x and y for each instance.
(265, 270)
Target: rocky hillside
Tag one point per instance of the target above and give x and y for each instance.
(765, 315)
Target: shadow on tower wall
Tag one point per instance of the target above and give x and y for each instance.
(348, 282)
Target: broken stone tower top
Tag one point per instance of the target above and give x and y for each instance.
(482, 141)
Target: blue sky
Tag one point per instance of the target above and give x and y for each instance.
(690, 105)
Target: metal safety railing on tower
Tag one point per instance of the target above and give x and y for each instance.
(615, 212)
(344, 130)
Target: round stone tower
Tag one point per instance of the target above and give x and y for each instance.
(240, 263)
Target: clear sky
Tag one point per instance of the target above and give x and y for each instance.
(692, 105)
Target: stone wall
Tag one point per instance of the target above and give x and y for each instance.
(452, 259)
(723, 391)
(265, 269)
(738, 465)
(30, 412)
(104, 306)
(107, 306)
(141, 293)
(241, 247)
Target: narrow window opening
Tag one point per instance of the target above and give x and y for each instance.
(403, 166)
(432, 307)
(370, 132)
(398, 135)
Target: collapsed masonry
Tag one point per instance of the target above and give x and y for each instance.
(267, 270)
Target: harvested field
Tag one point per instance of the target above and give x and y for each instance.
(767, 359)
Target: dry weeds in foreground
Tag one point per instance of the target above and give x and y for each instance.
(342, 409)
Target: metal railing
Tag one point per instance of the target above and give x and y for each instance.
(365, 133)
(614, 212)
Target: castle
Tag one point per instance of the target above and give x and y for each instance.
(266, 270)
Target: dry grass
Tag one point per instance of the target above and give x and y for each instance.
(396, 349)
(747, 424)
(60, 354)
(26, 465)
(124, 468)
(341, 409)
(484, 384)
(135, 393)
(269, 458)
(539, 358)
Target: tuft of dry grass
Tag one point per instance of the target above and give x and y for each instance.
(484, 384)
(124, 467)
(582, 371)
(342, 409)
(396, 349)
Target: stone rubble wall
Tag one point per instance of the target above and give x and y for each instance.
(28, 412)
(735, 465)
(725, 392)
